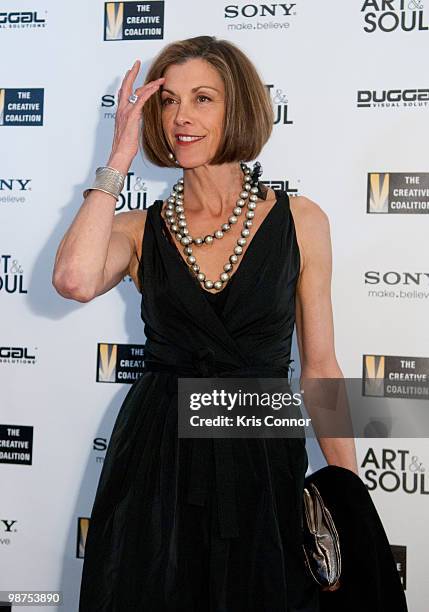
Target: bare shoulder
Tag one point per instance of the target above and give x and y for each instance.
(306, 211)
(132, 224)
(312, 227)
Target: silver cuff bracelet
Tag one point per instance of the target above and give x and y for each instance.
(109, 180)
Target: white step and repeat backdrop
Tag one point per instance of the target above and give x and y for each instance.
(351, 133)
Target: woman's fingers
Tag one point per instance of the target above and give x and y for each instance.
(143, 88)
(128, 80)
(144, 93)
(146, 90)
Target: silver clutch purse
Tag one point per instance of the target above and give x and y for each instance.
(321, 542)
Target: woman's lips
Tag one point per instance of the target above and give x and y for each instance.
(185, 143)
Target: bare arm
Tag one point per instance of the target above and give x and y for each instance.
(99, 248)
(314, 318)
(87, 251)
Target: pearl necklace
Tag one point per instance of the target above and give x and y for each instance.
(175, 216)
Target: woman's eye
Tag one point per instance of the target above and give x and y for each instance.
(200, 98)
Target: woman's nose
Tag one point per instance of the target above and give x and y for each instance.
(182, 115)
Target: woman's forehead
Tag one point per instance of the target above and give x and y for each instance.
(192, 73)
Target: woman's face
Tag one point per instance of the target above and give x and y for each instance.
(193, 105)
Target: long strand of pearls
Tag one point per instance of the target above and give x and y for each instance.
(176, 218)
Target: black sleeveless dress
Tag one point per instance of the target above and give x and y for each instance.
(203, 525)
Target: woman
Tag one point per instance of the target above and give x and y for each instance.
(202, 525)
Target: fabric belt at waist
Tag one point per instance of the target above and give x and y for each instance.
(204, 366)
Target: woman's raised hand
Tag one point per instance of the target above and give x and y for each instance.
(128, 118)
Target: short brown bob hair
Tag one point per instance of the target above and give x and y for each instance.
(248, 118)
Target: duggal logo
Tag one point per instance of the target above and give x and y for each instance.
(11, 186)
(281, 185)
(398, 193)
(119, 363)
(134, 20)
(395, 376)
(259, 16)
(394, 470)
(16, 444)
(11, 275)
(392, 98)
(22, 19)
(17, 355)
(21, 107)
(392, 15)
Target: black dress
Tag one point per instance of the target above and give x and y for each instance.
(203, 525)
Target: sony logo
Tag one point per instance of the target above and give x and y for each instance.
(13, 183)
(261, 10)
(392, 277)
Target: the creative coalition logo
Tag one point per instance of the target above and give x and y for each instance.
(398, 193)
(393, 15)
(395, 376)
(21, 107)
(14, 190)
(134, 20)
(16, 444)
(397, 284)
(280, 105)
(394, 470)
(400, 556)
(82, 532)
(119, 363)
(259, 16)
(14, 20)
(393, 98)
(18, 355)
(11, 275)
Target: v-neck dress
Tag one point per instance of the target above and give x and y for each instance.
(203, 525)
